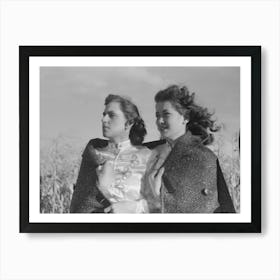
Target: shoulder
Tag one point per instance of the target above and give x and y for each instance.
(205, 151)
(97, 143)
(154, 144)
(143, 151)
(157, 147)
(196, 150)
(89, 151)
(150, 149)
(204, 154)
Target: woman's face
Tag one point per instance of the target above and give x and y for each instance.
(114, 122)
(170, 123)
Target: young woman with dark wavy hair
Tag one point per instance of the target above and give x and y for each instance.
(112, 170)
(192, 180)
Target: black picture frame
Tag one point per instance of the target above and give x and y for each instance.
(254, 52)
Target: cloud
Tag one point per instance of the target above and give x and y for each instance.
(140, 74)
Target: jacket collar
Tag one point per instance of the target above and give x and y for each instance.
(186, 139)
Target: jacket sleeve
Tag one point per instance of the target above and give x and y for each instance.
(224, 198)
(86, 196)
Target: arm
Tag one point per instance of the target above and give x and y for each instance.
(86, 196)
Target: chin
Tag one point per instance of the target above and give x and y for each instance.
(105, 134)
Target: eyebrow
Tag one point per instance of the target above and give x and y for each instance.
(110, 112)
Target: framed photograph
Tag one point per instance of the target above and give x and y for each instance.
(167, 138)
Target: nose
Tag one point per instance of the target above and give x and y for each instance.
(104, 118)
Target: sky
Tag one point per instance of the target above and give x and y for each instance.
(72, 98)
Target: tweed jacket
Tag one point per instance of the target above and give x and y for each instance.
(192, 181)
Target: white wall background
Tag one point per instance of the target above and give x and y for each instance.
(139, 256)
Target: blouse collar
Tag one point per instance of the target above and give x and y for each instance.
(119, 146)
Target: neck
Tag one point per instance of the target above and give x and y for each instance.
(117, 140)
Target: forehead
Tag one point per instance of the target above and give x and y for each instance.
(113, 106)
(164, 106)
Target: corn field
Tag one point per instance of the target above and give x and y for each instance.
(59, 166)
(60, 162)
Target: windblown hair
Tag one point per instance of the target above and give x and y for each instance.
(200, 122)
(138, 130)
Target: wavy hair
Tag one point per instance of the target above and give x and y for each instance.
(138, 130)
(200, 122)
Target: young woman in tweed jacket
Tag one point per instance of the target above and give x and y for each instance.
(192, 180)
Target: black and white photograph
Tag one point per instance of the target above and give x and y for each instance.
(157, 136)
(132, 118)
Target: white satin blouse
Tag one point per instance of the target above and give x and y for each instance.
(129, 167)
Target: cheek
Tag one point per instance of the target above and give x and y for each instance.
(118, 124)
(170, 121)
(179, 119)
(174, 123)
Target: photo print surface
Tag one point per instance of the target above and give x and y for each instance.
(72, 104)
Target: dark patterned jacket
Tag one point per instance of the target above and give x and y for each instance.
(86, 197)
(193, 180)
